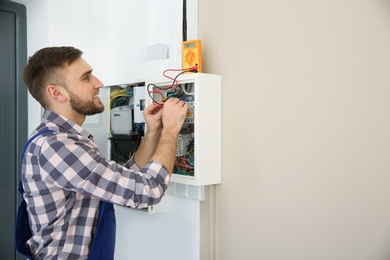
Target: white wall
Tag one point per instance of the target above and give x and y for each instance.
(37, 37)
(306, 127)
(113, 36)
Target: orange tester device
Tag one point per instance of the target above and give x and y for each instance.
(192, 54)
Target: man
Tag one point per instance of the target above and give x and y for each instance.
(65, 178)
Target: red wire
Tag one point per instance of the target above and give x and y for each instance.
(162, 98)
(174, 84)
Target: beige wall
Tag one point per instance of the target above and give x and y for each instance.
(306, 127)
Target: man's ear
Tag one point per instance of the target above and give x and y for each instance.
(57, 93)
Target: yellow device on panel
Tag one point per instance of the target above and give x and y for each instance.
(192, 54)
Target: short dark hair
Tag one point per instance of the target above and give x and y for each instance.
(44, 68)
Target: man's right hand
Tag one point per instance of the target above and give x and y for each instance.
(174, 113)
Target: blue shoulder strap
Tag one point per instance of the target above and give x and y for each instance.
(20, 186)
(32, 138)
(22, 227)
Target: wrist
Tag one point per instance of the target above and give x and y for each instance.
(153, 133)
(170, 131)
(165, 152)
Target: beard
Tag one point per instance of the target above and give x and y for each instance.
(85, 107)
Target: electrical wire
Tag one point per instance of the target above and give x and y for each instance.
(185, 164)
(171, 89)
(184, 20)
(120, 97)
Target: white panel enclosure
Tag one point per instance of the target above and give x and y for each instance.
(204, 118)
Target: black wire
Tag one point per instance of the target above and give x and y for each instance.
(178, 76)
(184, 20)
(151, 96)
(163, 88)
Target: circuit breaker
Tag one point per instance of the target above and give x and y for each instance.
(198, 154)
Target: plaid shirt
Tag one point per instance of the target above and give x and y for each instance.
(65, 178)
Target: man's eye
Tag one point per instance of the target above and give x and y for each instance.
(87, 78)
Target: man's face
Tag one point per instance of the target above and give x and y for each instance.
(83, 88)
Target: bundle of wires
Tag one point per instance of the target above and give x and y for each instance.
(185, 164)
(173, 90)
(120, 97)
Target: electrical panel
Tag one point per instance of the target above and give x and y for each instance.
(198, 154)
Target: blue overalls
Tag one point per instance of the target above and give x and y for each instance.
(103, 243)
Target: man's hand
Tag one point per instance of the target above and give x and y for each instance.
(173, 114)
(153, 115)
(163, 126)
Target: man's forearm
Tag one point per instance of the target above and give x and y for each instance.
(165, 152)
(147, 148)
(163, 148)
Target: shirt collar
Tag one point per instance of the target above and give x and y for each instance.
(64, 123)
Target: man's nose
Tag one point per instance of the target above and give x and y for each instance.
(97, 83)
